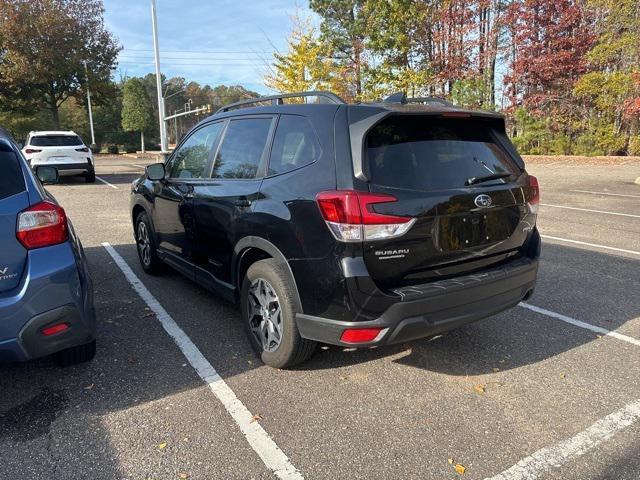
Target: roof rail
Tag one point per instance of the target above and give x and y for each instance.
(402, 99)
(279, 99)
(438, 100)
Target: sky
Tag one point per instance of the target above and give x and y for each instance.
(208, 41)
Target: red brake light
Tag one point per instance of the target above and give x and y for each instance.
(29, 151)
(533, 195)
(355, 208)
(534, 190)
(53, 329)
(340, 206)
(360, 335)
(85, 149)
(350, 216)
(42, 225)
(456, 115)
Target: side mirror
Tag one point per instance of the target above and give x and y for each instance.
(47, 174)
(155, 171)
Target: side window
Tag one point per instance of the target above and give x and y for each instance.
(242, 148)
(191, 158)
(11, 178)
(294, 145)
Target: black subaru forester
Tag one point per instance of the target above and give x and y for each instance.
(347, 224)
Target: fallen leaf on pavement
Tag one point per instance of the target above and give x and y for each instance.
(460, 468)
(479, 388)
(183, 475)
(89, 387)
(563, 375)
(450, 460)
(162, 446)
(256, 418)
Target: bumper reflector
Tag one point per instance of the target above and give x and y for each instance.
(360, 335)
(53, 329)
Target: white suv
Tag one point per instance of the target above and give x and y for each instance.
(63, 150)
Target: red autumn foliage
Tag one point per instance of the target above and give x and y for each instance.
(550, 40)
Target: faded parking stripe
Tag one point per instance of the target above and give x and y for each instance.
(604, 212)
(536, 464)
(580, 324)
(107, 183)
(258, 438)
(587, 244)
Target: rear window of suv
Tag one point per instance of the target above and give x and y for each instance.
(55, 141)
(11, 179)
(434, 153)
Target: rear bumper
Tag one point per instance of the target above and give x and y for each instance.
(66, 169)
(55, 288)
(429, 309)
(32, 344)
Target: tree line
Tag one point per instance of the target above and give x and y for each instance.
(565, 72)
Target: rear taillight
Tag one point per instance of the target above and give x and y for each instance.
(85, 149)
(351, 218)
(41, 225)
(533, 194)
(29, 151)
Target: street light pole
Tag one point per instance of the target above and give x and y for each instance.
(93, 136)
(156, 50)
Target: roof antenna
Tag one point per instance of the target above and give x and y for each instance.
(398, 97)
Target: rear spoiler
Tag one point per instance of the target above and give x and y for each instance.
(362, 120)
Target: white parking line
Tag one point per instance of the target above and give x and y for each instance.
(536, 464)
(137, 165)
(578, 323)
(595, 245)
(592, 211)
(106, 183)
(258, 438)
(606, 193)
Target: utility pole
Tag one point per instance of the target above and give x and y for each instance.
(93, 136)
(156, 49)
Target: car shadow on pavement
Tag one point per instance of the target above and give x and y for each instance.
(70, 416)
(60, 422)
(117, 179)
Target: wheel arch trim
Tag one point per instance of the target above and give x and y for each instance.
(245, 243)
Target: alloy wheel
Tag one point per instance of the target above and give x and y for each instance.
(265, 314)
(144, 244)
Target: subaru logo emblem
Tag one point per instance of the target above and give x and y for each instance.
(483, 201)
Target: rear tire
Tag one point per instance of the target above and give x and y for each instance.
(76, 355)
(146, 246)
(269, 315)
(90, 176)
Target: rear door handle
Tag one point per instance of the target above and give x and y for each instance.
(243, 203)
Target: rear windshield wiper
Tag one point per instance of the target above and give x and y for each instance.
(486, 178)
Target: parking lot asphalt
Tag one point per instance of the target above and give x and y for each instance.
(523, 394)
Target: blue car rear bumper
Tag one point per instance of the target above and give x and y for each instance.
(55, 287)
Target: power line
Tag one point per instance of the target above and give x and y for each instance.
(189, 64)
(136, 57)
(200, 51)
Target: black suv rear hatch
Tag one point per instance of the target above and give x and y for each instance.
(455, 174)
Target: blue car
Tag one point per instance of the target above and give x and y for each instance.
(46, 293)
